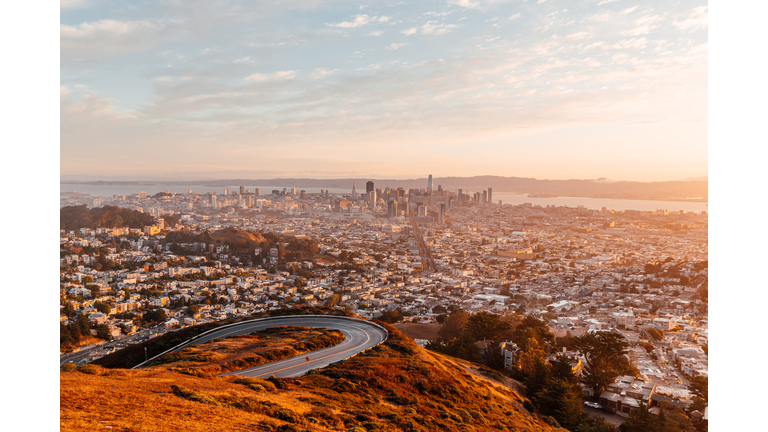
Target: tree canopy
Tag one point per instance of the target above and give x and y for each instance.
(76, 217)
(605, 357)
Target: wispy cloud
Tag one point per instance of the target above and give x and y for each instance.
(698, 19)
(321, 72)
(431, 28)
(629, 10)
(277, 76)
(410, 31)
(360, 20)
(606, 2)
(395, 46)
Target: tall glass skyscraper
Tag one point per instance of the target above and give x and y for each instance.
(429, 185)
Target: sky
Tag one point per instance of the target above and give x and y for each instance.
(332, 89)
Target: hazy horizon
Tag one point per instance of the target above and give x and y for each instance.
(332, 89)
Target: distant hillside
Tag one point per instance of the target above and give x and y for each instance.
(602, 188)
(233, 235)
(76, 217)
(396, 386)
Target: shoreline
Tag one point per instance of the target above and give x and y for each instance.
(691, 200)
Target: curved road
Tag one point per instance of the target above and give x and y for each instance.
(359, 336)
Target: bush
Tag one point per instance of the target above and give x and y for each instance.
(257, 384)
(90, 369)
(528, 405)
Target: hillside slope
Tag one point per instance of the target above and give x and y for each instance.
(396, 386)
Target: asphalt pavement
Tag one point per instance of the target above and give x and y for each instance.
(358, 336)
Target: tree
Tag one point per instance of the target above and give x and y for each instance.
(391, 316)
(69, 310)
(84, 325)
(103, 332)
(439, 309)
(332, 301)
(192, 309)
(486, 326)
(454, 325)
(102, 307)
(532, 328)
(560, 399)
(655, 334)
(605, 357)
(596, 424)
(463, 346)
(699, 386)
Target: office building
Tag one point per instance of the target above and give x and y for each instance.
(242, 190)
(429, 185)
(257, 191)
(226, 191)
(490, 195)
(369, 186)
(142, 194)
(441, 217)
(485, 197)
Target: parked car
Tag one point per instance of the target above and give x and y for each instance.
(592, 404)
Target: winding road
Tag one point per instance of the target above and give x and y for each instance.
(359, 335)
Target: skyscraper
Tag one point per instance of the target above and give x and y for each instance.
(242, 190)
(461, 196)
(369, 186)
(226, 191)
(429, 185)
(490, 195)
(485, 197)
(257, 191)
(441, 219)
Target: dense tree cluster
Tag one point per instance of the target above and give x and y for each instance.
(552, 386)
(76, 217)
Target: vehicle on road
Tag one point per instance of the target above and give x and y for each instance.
(592, 405)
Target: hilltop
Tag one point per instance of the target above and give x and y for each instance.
(397, 386)
(234, 235)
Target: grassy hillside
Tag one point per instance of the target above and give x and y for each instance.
(396, 386)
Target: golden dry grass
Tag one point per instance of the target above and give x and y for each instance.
(394, 387)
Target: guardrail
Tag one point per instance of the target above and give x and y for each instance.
(190, 341)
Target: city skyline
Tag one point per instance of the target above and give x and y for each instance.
(602, 89)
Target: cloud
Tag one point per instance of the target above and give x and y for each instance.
(436, 29)
(515, 16)
(277, 76)
(321, 72)
(72, 4)
(635, 43)
(439, 13)
(360, 20)
(91, 42)
(629, 10)
(395, 46)
(606, 2)
(410, 31)
(475, 4)
(698, 19)
(644, 25)
(375, 33)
